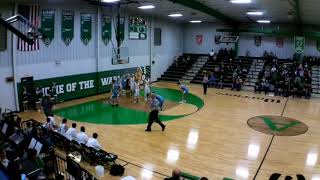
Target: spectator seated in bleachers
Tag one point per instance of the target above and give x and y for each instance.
(284, 78)
(212, 81)
(258, 87)
(237, 83)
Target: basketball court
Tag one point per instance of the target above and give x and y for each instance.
(215, 141)
(73, 53)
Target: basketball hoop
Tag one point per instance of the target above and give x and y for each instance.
(22, 27)
(120, 55)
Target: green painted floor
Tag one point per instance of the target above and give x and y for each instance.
(98, 112)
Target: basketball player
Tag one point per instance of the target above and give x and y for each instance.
(146, 83)
(128, 87)
(132, 81)
(185, 91)
(124, 84)
(154, 114)
(114, 93)
(136, 91)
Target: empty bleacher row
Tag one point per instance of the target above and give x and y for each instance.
(315, 74)
(252, 77)
(179, 67)
(228, 66)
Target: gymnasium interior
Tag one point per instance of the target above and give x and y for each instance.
(236, 84)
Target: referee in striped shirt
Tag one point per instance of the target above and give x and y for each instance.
(154, 114)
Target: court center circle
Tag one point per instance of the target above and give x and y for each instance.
(277, 125)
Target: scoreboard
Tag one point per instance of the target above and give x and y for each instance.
(138, 28)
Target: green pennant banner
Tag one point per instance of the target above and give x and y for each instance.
(67, 26)
(47, 26)
(299, 43)
(121, 29)
(86, 28)
(106, 29)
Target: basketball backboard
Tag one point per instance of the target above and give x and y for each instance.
(22, 28)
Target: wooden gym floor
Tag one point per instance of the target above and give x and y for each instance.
(216, 141)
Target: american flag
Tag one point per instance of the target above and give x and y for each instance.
(32, 13)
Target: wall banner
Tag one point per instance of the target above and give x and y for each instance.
(106, 29)
(67, 26)
(86, 28)
(47, 26)
(299, 44)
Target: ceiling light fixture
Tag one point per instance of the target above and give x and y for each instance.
(195, 21)
(147, 7)
(109, 1)
(264, 21)
(240, 1)
(175, 15)
(255, 13)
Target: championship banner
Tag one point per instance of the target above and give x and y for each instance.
(279, 42)
(47, 26)
(86, 28)
(299, 43)
(121, 29)
(67, 27)
(318, 45)
(199, 39)
(106, 29)
(257, 41)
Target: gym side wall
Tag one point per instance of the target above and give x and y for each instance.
(59, 60)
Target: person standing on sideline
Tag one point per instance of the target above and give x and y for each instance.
(185, 91)
(47, 105)
(25, 99)
(205, 83)
(154, 113)
(146, 83)
(39, 96)
(53, 92)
